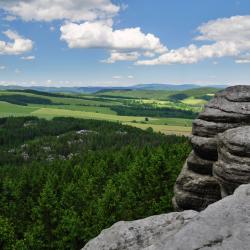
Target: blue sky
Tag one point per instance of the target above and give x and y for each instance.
(124, 42)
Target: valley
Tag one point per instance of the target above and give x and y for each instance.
(165, 111)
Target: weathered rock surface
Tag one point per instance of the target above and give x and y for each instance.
(228, 109)
(233, 166)
(224, 225)
(197, 190)
(140, 234)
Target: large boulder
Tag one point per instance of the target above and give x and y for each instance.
(229, 109)
(222, 225)
(233, 166)
(140, 234)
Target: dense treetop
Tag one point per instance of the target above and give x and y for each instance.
(64, 180)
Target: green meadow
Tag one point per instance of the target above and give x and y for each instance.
(169, 112)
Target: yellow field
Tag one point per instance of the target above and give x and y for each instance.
(193, 101)
(166, 129)
(165, 125)
(128, 120)
(52, 112)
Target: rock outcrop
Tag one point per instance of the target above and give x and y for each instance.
(196, 187)
(233, 166)
(222, 225)
(140, 234)
(218, 165)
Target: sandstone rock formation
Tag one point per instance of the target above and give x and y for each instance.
(223, 225)
(196, 187)
(218, 164)
(140, 234)
(233, 166)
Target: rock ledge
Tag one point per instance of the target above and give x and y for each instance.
(224, 225)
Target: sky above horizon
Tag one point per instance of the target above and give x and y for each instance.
(124, 42)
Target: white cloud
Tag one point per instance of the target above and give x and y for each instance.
(52, 28)
(125, 44)
(2, 67)
(130, 77)
(122, 56)
(48, 10)
(88, 24)
(102, 35)
(229, 37)
(17, 46)
(28, 58)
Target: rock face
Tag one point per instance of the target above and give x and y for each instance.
(140, 234)
(196, 187)
(233, 166)
(222, 225)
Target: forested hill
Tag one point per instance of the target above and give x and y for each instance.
(64, 180)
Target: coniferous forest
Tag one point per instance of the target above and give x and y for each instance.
(64, 180)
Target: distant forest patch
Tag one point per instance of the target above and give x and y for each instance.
(24, 100)
(148, 110)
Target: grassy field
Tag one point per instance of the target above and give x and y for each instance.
(193, 101)
(156, 94)
(99, 106)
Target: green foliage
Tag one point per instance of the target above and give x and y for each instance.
(178, 97)
(24, 100)
(205, 97)
(63, 181)
(7, 235)
(149, 110)
(156, 94)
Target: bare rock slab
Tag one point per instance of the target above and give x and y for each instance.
(224, 225)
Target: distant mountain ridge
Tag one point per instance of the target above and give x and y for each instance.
(94, 89)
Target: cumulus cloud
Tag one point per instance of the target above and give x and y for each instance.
(229, 37)
(49, 10)
(122, 56)
(125, 44)
(102, 35)
(17, 45)
(88, 24)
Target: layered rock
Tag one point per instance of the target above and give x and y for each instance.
(222, 225)
(228, 109)
(218, 164)
(233, 166)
